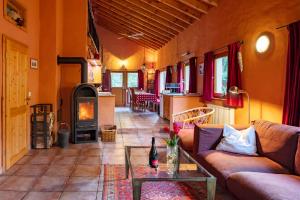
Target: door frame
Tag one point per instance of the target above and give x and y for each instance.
(3, 167)
(125, 86)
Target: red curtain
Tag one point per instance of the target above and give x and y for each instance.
(208, 81)
(193, 75)
(156, 83)
(169, 74)
(291, 107)
(106, 81)
(140, 79)
(180, 76)
(234, 75)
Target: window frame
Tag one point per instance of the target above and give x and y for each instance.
(132, 72)
(218, 95)
(162, 81)
(186, 64)
(123, 78)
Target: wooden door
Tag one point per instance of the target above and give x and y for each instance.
(15, 59)
(118, 87)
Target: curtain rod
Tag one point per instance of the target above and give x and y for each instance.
(241, 42)
(280, 27)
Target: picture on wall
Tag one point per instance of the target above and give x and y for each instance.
(33, 63)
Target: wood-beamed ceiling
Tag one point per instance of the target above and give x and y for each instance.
(158, 20)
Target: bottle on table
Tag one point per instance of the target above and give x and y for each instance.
(153, 155)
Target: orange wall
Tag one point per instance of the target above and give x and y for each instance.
(74, 45)
(264, 75)
(30, 37)
(117, 50)
(51, 29)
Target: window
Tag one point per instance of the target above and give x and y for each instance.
(186, 77)
(116, 79)
(132, 79)
(220, 76)
(162, 81)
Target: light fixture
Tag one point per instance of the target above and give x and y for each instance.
(123, 64)
(234, 90)
(262, 44)
(144, 67)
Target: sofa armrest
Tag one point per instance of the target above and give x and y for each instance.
(208, 136)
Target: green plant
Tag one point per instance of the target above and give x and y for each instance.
(172, 141)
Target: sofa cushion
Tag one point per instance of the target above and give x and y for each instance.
(222, 164)
(186, 139)
(277, 142)
(264, 186)
(207, 138)
(241, 142)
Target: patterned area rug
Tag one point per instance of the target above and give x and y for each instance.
(117, 187)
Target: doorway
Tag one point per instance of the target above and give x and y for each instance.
(121, 81)
(14, 95)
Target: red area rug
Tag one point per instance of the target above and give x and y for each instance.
(117, 187)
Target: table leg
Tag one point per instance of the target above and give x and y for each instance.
(136, 189)
(211, 188)
(127, 149)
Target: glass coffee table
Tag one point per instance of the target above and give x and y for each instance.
(188, 169)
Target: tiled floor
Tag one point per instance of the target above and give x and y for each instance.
(75, 173)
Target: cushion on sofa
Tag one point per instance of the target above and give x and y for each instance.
(264, 186)
(277, 142)
(222, 164)
(241, 142)
(186, 139)
(207, 137)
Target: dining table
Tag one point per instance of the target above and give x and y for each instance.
(142, 96)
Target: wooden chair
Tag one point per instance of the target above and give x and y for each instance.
(184, 123)
(134, 103)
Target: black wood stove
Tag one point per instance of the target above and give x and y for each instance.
(84, 106)
(84, 114)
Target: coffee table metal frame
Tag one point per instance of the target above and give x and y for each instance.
(137, 182)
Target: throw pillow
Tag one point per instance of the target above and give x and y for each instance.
(241, 142)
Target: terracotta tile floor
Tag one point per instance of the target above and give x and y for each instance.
(75, 172)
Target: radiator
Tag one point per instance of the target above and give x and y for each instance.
(222, 114)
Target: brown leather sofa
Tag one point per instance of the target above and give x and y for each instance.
(273, 175)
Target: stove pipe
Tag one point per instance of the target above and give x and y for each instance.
(76, 60)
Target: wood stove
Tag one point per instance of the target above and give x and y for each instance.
(84, 114)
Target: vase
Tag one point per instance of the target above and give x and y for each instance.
(172, 159)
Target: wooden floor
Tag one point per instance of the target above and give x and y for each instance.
(75, 172)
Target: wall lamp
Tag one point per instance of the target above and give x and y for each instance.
(262, 44)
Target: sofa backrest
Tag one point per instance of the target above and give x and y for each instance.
(277, 142)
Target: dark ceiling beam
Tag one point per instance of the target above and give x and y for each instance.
(121, 7)
(169, 10)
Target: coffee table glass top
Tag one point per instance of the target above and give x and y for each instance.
(137, 159)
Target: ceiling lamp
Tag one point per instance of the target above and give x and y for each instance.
(143, 67)
(262, 44)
